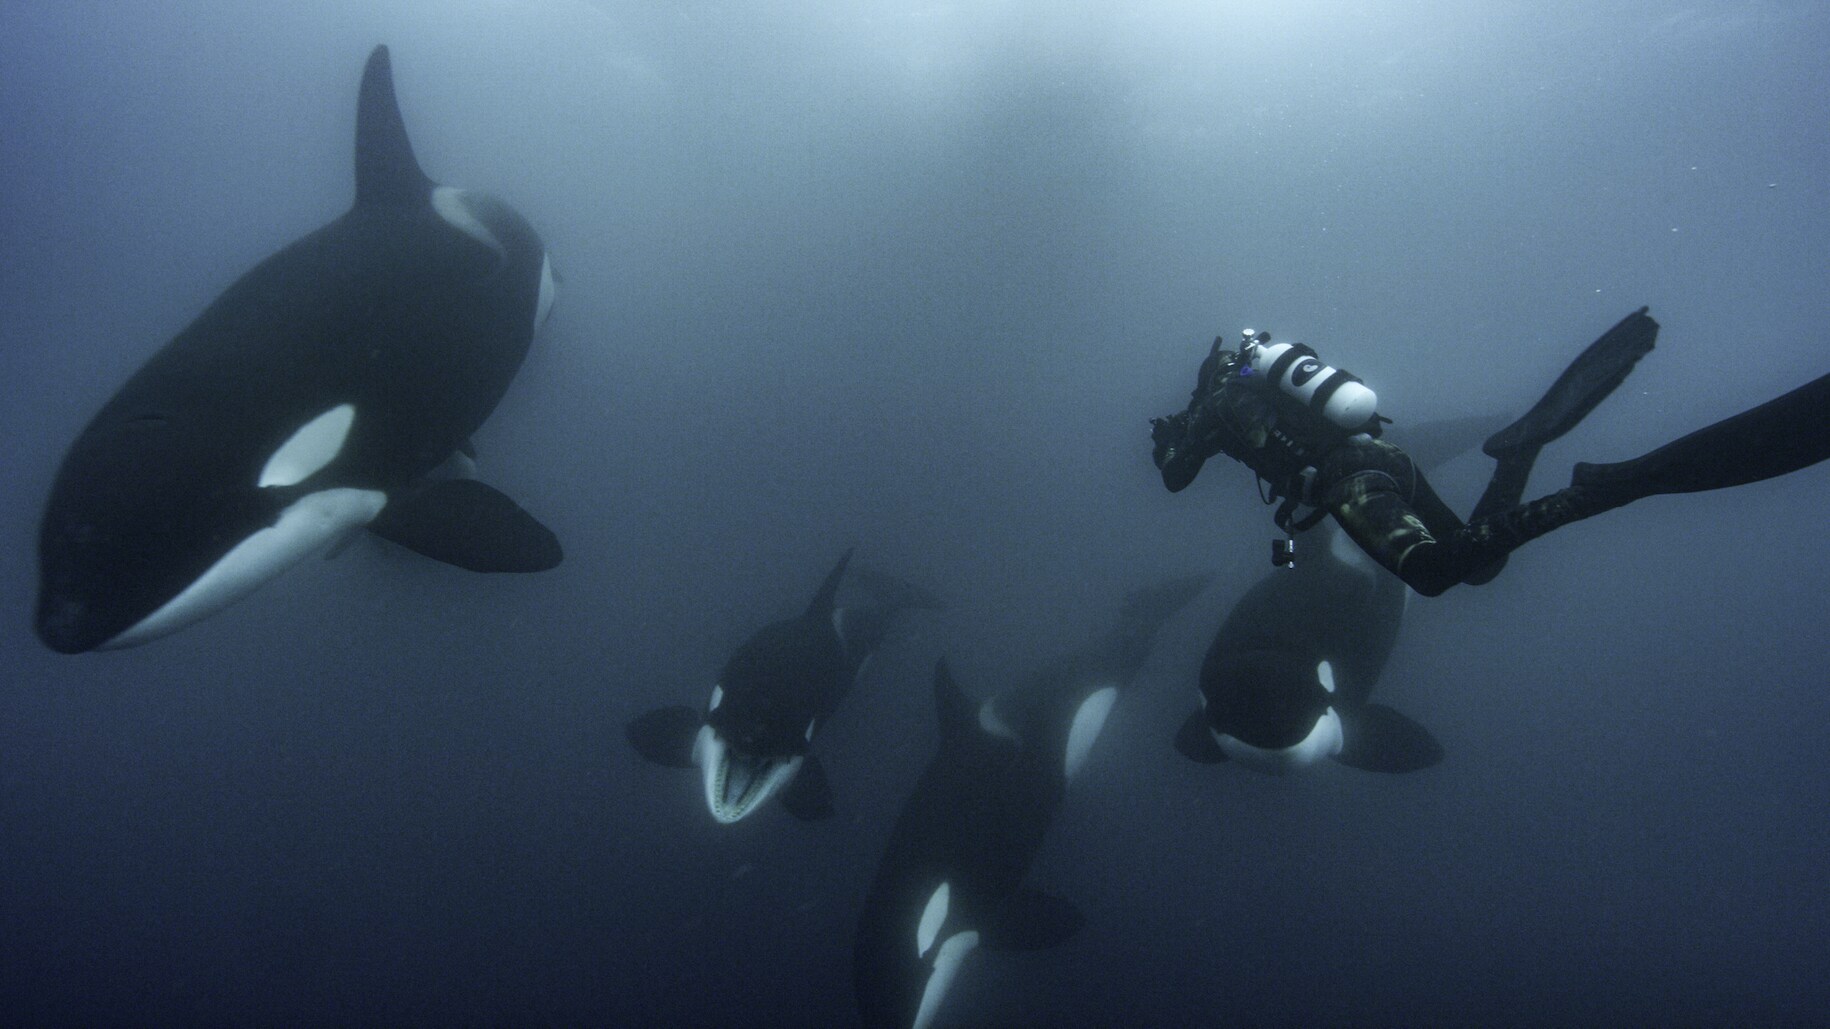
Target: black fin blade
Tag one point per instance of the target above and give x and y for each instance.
(1379, 739)
(1196, 743)
(1586, 382)
(665, 735)
(1032, 920)
(809, 796)
(465, 523)
(827, 598)
(1783, 435)
(386, 170)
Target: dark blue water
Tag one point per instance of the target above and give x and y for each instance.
(913, 278)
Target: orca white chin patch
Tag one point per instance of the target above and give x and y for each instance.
(452, 205)
(1088, 721)
(737, 784)
(312, 523)
(1324, 741)
(310, 447)
(946, 966)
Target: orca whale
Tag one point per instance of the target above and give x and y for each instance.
(314, 398)
(754, 737)
(951, 877)
(1288, 678)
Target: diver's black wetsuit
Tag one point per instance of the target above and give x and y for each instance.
(1380, 498)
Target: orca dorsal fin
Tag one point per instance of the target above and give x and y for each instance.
(386, 170)
(956, 713)
(828, 597)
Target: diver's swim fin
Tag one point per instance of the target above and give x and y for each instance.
(1586, 382)
(1782, 435)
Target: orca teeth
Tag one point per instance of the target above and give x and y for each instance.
(741, 781)
(737, 784)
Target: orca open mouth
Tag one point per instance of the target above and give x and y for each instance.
(737, 783)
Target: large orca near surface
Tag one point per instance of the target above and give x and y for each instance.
(754, 737)
(951, 878)
(313, 398)
(1288, 679)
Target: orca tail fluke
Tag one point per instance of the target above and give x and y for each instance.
(896, 594)
(885, 597)
(1144, 613)
(1780, 436)
(386, 170)
(1438, 442)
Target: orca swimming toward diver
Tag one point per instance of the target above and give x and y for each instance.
(952, 873)
(1288, 678)
(754, 737)
(314, 398)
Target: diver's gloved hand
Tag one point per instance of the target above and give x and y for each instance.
(1175, 458)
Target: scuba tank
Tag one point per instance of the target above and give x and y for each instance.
(1294, 369)
(1321, 404)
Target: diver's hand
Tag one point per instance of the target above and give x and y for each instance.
(1178, 462)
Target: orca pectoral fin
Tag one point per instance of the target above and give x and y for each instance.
(1195, 741)
(665, 735)
(809, 796)
(1032, 920)
(1377, 739)
(465, 523)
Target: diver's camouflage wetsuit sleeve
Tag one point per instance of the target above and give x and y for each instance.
(1380, 498)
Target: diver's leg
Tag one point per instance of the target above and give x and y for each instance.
(1780, 436)
(1588, 380)
(1373, 513)
(1430, 562)
(1511, 473)
(1385, 505)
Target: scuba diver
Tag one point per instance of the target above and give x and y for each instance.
(1311, 434)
